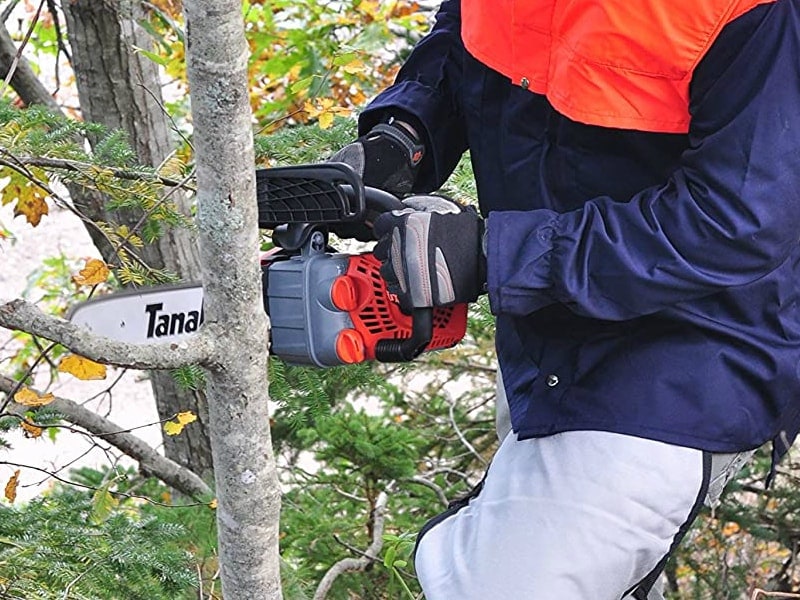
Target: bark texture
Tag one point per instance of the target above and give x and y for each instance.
(244, 466)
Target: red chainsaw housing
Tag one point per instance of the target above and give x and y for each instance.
(376, 315)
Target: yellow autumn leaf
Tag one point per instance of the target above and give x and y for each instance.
(29, 197)
(354, 67)
(370, 8)
(11, 487)
(181, 420)
(27, 397)
(294, 72)
(310, 109)
(33, 207)
(94, 271)
(31, 430)
(325, 120)
(730, 529)
(82, 368)
(213, 504)
(186, 417)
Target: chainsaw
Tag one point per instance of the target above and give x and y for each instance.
(326, 308)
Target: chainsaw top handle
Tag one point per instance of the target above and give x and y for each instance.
(296, 200)
(325, 193)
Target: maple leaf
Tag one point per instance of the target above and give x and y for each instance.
(30, 198)
(27, 397)
(11, 487)
(94, 271)
(33, 208)
(31, 430)
(181, 420)
(82, 368)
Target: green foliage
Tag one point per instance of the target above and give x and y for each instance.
(55, 145)
(190, 377)
(399, 550)
(304, 144)
(307, 49)
(306, 394)
(49, 549)
(372, 448)
(308, 58)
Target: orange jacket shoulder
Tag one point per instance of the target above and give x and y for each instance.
(614, 63)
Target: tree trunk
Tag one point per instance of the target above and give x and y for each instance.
(246, 478)
(120, 88)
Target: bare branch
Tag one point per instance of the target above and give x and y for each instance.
(166, 470)
(432, 486)
(23, 80)
(463, 438)
(23, 316)
(87, 168)
(9, 8)
(350, 565)
(12, 69)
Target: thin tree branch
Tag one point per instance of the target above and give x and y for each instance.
(6, 14)
(86, 169)
(166, 470)
(13, 163)
(462, 437)
(27, 374)
(12, 69)
(432, 486)
(23, 316)
(349, 565)
(94, 489)
(24, 81)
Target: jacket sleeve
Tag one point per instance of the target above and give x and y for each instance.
(426, 89)
(728, 215)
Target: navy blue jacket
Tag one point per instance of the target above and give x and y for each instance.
(644, 283)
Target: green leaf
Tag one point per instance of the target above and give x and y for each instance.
(389, 557)
(159, 60)
(302, 84)
(103, 503)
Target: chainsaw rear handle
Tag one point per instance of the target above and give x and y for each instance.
(406, 349)
(400, 350)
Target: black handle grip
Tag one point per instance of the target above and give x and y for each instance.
(406, 349)
(380, 201)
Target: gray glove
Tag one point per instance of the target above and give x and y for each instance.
(431, 253)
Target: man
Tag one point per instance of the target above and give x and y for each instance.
(638, 167)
